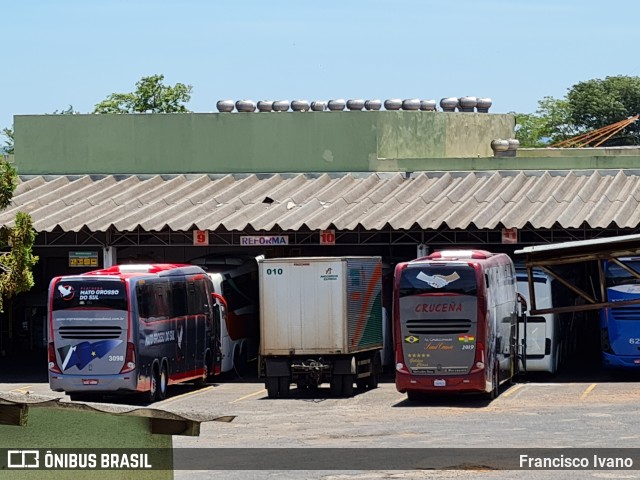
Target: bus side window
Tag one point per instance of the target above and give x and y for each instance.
(179, 299)
(160, 303)
(143, 302)
(197, 298)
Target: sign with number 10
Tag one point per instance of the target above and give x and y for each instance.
(327, 237)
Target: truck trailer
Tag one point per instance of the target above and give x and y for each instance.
(320, 322)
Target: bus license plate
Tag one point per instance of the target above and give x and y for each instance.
(440, 383)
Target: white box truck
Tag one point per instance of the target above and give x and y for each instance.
(320, 321)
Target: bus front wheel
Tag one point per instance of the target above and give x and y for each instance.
(202, 381)
(152, 394)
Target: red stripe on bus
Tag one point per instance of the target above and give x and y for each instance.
(179, 377)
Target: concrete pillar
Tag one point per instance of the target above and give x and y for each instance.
(109, 256)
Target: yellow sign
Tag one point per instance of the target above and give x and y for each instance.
(83, 259)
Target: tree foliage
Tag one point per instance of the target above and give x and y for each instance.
(549, 124)
(17, 259)
(8, 143)
(587, 106)
(598, 103)
(150, 96)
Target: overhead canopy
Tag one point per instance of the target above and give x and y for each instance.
(428, 200)
(611, 249)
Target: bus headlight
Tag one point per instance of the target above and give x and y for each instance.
(399, 366)
(479, 365)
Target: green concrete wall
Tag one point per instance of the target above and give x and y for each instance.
(58, 428)
(512, 163)
(254, 142)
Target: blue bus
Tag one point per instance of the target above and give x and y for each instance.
(620, 326)
(132, 329)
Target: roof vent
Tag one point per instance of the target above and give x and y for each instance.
(428, 105)
(373, 104)
(355, 104)
(299, 105)
(245, 106)
(484, 104)
(411, 104)
(318, 106)
(449, 104)
(337, 105)
(393, 104)
(265, 105)
(280, 105)
(468, 104)
(504, 148)
(225, 106)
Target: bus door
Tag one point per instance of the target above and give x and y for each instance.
(199, 310)
(179, 313)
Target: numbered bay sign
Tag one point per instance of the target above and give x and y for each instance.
(509, 235)
(327, 237)
(201, 237)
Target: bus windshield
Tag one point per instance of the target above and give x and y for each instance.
(616, 275)
(425, 279)
(99, 294)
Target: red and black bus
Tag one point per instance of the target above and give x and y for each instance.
(455, 323)
(132, 328)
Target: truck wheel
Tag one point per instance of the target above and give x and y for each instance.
(283, 386)
(272, 387)
(347, 385)
(336, 385)
(376, 368)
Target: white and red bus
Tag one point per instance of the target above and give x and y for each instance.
(132, 329)
(455, 323)
(235, 278)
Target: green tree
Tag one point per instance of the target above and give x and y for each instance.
(16, 259)
(150, 96)
(597, 103)
(588, 106)
(549, 124)
(8, 143)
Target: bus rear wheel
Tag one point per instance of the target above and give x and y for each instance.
(162, 383)
(495, 384)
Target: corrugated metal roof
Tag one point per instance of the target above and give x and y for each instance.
(430, 200)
